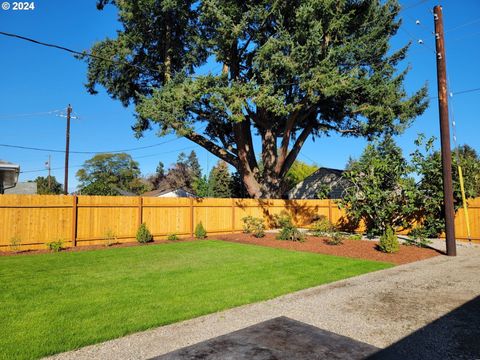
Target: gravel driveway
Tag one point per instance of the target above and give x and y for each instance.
(430, 307)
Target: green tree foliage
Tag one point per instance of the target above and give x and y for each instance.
(44, 189)
(143, 234)
(298, 172)
(184, 174)
(290, 70)
(382, 192)
(389, 242)
(428, 165)
(109, 174)
(156, 179)
(220, 181)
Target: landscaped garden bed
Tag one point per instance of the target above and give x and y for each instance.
(361, 249)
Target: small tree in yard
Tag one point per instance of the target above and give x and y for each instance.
(200, 232)
(289, 71)
(382, 193)
(143, 234)
(389, 241)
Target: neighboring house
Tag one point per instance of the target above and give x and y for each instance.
(24, 188)
(324, 180)
(169, 192)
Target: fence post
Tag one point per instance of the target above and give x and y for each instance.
(191, 217)
(233, 216)
(74, 220)
(140, 211)
(330, 210)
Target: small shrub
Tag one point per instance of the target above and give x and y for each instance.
(253, 225)
(281, 220)
(290, 232)
(322, 226)
(15, 243)
(389, 242)
(110, 238)
(143, 234)
(172, 237)
(418, 237)
(55, 246)
(355, 236)
(200, 232)
(334, 239)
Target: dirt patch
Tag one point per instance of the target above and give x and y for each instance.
(360, 249)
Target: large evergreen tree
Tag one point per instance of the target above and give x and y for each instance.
(290, 70)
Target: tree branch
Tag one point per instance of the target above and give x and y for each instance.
(292, 155)
(213, 148)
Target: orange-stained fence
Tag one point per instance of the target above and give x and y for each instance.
(31, 221)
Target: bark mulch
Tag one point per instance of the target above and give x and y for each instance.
(360, 249)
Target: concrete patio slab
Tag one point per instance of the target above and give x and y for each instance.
(279, 338)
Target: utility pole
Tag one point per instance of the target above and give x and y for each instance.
(67, 148)
(444, 132)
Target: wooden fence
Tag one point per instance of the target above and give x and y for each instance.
(34, 220)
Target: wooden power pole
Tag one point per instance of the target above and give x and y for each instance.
(444, 132)
(67, 149)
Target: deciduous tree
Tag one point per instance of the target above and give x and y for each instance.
(109, 174)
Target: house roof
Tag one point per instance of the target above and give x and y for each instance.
(160, 192)
(312, 185)
(23, 188)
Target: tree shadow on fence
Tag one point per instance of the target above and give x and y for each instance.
(453, 336)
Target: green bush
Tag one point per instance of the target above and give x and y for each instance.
(355, 236)
(290, 232)
(143, 234)
(55, 246)
(419, 237)
(253, 225)
(389, 242)
(322, 226)
(334, 239)
(172, 237)
(281, 220)
(200, 232)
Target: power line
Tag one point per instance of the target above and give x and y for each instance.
(87, 152)
(463, 25)
(137, 157)
(54, 112)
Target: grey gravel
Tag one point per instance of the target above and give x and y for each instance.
(380, 308)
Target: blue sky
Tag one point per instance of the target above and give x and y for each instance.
(37, 80)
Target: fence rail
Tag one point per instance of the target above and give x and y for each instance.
(34, 220)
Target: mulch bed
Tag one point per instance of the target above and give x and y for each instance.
(360, 249)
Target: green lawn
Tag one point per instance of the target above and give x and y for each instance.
(56, 302)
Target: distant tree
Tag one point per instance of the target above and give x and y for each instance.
(291, 70)
(298, 172)
(106, 174)
(44, 189)
(427, 164)
(220, 181)
(194, 165)
(185, 173)
(156, 179)
(201, 187)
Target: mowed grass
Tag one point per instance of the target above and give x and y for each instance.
(51, 303)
